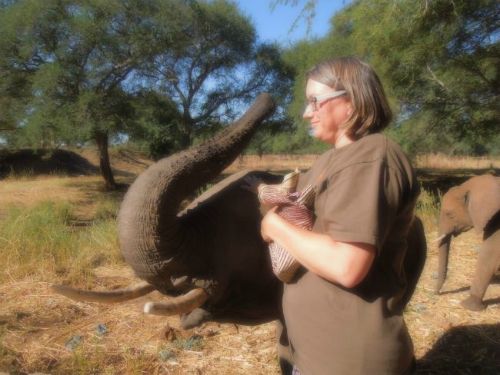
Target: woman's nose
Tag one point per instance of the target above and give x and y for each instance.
(307, 114)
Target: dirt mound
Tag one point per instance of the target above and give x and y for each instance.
(36, 162)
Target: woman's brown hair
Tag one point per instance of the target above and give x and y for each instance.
(371, 111)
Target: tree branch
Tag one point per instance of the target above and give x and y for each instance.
(435, 78)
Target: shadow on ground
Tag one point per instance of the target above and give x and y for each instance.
(473, 349)
(29, 162)
(36, 162)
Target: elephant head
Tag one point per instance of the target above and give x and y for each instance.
(475, 203)
(210, 256)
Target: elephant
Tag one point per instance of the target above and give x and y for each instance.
(475, 203)
(209, 256)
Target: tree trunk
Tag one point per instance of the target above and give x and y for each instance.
(186, 131)
(101, 139)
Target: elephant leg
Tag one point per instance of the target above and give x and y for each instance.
(487, 264)
(195, 318)
(284, 349)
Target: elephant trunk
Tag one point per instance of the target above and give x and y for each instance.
(152, 238)
(444, 251)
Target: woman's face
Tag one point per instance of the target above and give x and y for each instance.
(329, 115)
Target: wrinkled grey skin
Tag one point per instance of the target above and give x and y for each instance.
(475, 203)
(215, 243)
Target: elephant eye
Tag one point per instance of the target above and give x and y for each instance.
(466, 199)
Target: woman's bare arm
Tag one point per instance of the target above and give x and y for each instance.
(344, 263)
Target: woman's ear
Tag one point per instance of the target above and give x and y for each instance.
(483, 201)
(349, 109)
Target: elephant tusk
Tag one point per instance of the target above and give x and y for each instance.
(118, 295)
(440, 238)
(178, 305)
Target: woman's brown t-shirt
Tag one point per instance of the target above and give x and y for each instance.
(366, 192)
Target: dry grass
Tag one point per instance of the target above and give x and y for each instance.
(27, 192)
(39, 327)
(449, 339)
(441, 161)
(44, 332)
(303, 162)
(272, 162)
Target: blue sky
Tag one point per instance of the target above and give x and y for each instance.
(275, 25)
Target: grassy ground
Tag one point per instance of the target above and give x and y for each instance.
(60, 229)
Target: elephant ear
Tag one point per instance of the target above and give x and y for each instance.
(484, 200)
(217, 190)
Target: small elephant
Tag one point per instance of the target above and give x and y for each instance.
(475, 203)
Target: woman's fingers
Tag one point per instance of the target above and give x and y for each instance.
(251, 183)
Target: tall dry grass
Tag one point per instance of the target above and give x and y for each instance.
(272, 162)
(290, 162)
(427, 208)
(41, 243)
(441, 161)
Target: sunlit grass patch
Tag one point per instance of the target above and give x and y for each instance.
(40, 242)
(441, 161)
(30, 192)
(107, 208)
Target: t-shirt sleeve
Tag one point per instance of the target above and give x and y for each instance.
(361, 204)
(304, 178)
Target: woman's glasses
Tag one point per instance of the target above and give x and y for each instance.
(314, 101)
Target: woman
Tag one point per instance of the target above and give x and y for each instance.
(343, 313)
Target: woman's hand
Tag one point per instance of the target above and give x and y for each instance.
(251, 183)
(268, 223)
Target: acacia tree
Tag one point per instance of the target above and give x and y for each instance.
(218, 68)
(65, 64)
(76, 67)
(307, 11)
(157, 124)
(439, 61)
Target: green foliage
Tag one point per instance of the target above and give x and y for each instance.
(66, 64)
(216, 70)
(283, 137)
(158, 122)
(69, 60)
(439, 63)
(168, 72)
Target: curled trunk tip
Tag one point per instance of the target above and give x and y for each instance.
(178, 305)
